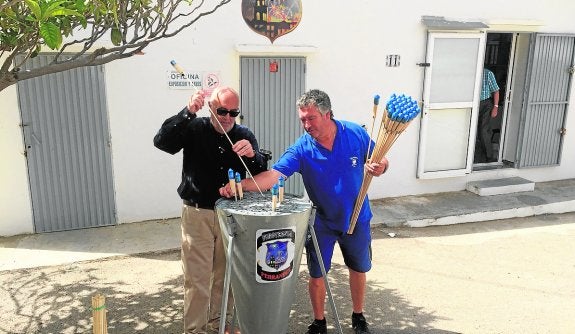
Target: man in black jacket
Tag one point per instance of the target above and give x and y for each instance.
(208, 155)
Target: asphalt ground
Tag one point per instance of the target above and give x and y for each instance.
(503, 276)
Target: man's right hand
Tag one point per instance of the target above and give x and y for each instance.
(226, 191)
(196, 102)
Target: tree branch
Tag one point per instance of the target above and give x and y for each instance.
(139, 26)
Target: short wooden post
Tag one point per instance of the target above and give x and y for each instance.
(99, 314)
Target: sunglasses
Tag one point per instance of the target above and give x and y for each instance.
(224, 112)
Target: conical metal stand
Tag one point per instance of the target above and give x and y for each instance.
(242, 228)
(232, 232)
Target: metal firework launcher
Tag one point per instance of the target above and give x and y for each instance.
(263, 251)
(399, 111)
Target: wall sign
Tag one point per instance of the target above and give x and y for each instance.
(206, 80)
(272, 18)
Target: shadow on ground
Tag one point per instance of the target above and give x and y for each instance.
(385, 310)
(144, 295)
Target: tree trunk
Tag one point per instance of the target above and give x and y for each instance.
(7, 80)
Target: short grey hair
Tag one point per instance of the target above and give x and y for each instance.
(318, 98)
(220, 90)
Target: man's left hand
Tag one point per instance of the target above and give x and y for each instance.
(377, 168)
(494, 112)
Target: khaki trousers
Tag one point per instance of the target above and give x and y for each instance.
(204, 265)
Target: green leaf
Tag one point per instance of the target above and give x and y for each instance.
(80, 5)
(10, 13)
(65, 12)
(65, 26)
(114, 10)
(54, 6)
(35, 8)
(51, 35)
(116, 36)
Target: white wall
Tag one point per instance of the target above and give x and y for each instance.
(15, 205)
(349, 63)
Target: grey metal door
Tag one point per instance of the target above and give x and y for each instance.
(550, 68)
(270, 87)
(65, 125)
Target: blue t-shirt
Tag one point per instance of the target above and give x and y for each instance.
(332, 178)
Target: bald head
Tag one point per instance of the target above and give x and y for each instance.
(225, 98)
(224, 92)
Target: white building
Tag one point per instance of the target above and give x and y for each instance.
(88, 160)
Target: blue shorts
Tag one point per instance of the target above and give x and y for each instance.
(355, 248)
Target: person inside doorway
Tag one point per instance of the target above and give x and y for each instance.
(488, 109)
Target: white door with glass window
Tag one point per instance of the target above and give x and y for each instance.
(450, 103)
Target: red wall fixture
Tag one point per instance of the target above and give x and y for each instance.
(274, 66)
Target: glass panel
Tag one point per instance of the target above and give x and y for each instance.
(453, 70)
(447, 134)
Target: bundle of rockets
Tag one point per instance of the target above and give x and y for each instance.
(236, 186)
(399, 111)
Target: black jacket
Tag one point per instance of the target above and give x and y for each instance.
(207, 155)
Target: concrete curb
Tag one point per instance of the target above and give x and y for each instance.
(552, 208)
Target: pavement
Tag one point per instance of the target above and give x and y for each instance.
(56, 248)
(467, 207)
(495, 275)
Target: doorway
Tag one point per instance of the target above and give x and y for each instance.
(68, 147)
(498, 58)
(270, 87)
(534, 74)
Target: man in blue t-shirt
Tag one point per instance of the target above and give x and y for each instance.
(331, 157)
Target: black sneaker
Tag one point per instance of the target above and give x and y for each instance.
(359, 324)
(317, 327)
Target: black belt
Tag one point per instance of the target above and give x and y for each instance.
(196, 205)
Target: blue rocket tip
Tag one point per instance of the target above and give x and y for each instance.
(238, 177)
(376, 99)
(231, 174)
(173, 62)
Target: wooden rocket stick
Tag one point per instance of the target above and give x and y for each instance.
(274, 197)
(281, 183)
(239, 185)
(232, 178)
(375, 104)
